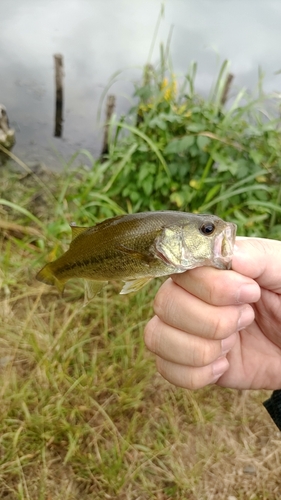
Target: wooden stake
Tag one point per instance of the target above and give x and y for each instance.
(110, 105)
(59, 94)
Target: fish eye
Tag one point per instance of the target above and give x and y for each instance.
(207, 228)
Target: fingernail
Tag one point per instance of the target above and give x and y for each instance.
(247, 317)
(219, 367)
(228, 343)
(248, 293)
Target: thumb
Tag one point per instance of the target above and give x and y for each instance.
(259, 259)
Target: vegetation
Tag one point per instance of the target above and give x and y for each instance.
(185, 152)
(83, 412)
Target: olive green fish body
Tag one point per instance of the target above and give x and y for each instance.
(137, 247)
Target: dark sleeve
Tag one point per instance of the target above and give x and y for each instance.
(273, 406)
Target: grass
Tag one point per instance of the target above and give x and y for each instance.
(84, 413)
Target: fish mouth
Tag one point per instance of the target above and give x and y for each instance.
(224, 246)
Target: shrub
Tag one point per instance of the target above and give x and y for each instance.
(177, 150)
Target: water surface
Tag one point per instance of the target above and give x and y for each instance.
(99, 37)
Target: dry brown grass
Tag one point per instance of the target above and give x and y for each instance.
(84, 415)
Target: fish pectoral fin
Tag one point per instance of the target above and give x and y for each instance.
(92, 288)
(134, 253)
(134, 285)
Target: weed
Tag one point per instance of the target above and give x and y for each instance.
(83, 412)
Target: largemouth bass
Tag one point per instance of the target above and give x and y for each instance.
(136, 248)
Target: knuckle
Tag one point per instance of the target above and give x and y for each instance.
(163, 302)
(159, 302)
(185, 377)
(225, 324)
(217, 291)
(218, 328)
(150, 335)
(194, 384)
(205, 355)
(160, 366)
(195, 380)
(212, 293)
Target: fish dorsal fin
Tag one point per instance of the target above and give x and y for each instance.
(105, 223)
(76, 230)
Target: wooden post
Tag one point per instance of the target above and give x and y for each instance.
(7, 134)
(110, 105)
(59, 94)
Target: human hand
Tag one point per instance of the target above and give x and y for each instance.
(222, 327)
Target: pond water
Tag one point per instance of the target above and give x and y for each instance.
(100, 37)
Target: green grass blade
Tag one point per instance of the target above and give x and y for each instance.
(27, 169)
(219, 85)
(265, 204)
(120, 167)
(145, 137)
(104, 201)
(24, 211)
(229, 194)
(245, 180)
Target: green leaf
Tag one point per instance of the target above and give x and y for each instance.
(161, 181)
(196, 127)
(177, 146)
(222, 166)
(145, 92)
(148, 185)
(202, 142)
(261, 195)
(172, 147)
(171, 117)
(152, 145)
(242, 171)
(256, 156)
(158, 122)
(186, 142)
(145, 170)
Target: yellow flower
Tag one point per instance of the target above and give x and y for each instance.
(261, 178)
(169, 88)
(181, 109)
(178, 199)
(165, 83)
(195, 183)
(143, 108)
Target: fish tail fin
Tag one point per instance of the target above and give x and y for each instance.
(47, 276)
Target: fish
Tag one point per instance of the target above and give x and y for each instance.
(135, 248)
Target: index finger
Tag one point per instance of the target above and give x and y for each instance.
(180, 309)
(217, 287)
